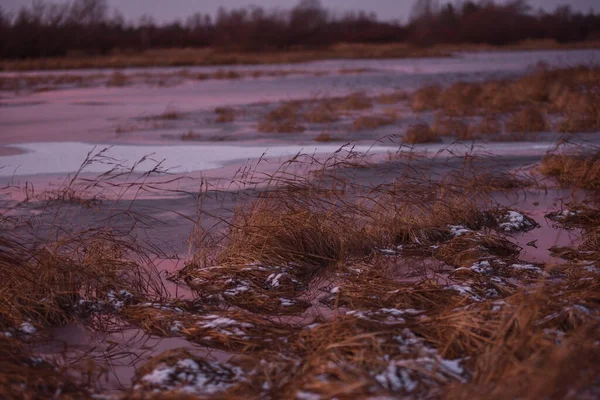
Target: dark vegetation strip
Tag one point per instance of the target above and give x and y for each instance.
(84, 28)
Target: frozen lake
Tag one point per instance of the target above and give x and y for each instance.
(55, 129)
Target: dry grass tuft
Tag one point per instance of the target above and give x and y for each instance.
(586, 218)
(420, 133)
(489, 125)
(220, 74)
(168, 114)
(465, 250)
(277, 231)
(283, 119)
(117, 79)
(445, 126)
(426, 98)
(181, 370)
(225, 114)
(392, 97)
(324, 137)
(45, 286)
(23, 376)
(354, 102)
(323, 113)
(574, 170)
(527, 120)
(582, 113)
(372, 122)
(540, 349)
(460, 99)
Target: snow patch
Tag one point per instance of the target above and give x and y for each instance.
(459, 230)
(189, 376)
(514, 221)
(286, 302)
(27, 328)
(302, 395)
(236, 290)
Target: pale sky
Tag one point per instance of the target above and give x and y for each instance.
(169, 10)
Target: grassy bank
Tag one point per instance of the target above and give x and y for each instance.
(322, 286)
(207, 57)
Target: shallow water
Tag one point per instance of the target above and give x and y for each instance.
(93, 114)
(121, 354)
(536, 243)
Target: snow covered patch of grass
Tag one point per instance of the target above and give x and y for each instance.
(458, 230)
(425, 368)
(224, 325)
(480, 267)
(190, 376)
(242, 288)
(118, 299)
(27, 328)
(466, 291)
(513, 221)
(286, 302)
(303, 395)
(388, 316)
(527, 267)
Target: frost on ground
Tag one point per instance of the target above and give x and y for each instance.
(190, 376)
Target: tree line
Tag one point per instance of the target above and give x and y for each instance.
(89, 27)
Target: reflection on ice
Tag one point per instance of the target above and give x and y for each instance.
(66, 157)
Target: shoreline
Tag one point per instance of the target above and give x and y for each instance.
(194, 57)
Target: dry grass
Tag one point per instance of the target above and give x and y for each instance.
(24, 376)
(279, 231)
(324, 137)
(45, 286)
(444, 126)
(426, 98)
(571, 92)
(117, 79)
(322, 113)
(189, 57)
(530, 356)
(225, 114)
(573, 170)
(528, 120)
(420, 133)
(392, 97)
(373, 122)
(466, 250)
(320, 243)
(176, 57)
(170, 114)
(459, 99)
(356, 101)
(302, 285)
(41, 82)
(582, 113)
(489, 125)
(283, 119)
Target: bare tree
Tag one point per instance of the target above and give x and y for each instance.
(424, 9)
(89, 12)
